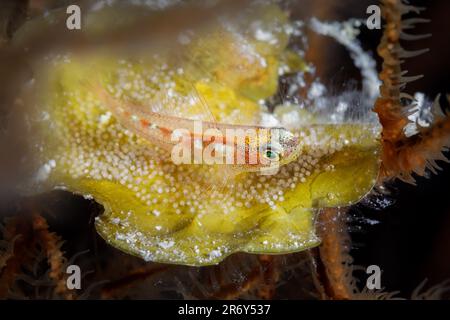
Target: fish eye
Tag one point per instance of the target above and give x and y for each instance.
(271, 152)
(272, 155)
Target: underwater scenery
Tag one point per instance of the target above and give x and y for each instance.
(224, 150)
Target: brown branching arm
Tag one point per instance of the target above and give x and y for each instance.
(403, 156)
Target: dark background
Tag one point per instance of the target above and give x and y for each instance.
(412, 241)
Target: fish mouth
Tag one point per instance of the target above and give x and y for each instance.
(292, 144)
(292, 148)
(295, 140)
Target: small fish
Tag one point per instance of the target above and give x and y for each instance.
(254, 148)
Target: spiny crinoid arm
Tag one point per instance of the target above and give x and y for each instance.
(51, 244)
(403, 156)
